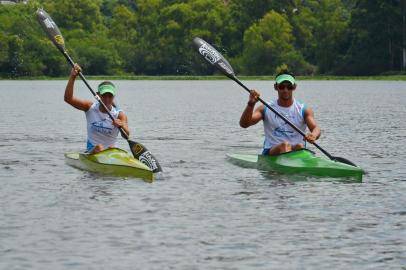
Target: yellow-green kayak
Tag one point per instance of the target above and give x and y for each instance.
(297, 162)
(111, 161)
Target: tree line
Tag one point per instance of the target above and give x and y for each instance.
(154, 37)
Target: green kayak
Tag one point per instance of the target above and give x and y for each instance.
(297, 162)
(112, 161)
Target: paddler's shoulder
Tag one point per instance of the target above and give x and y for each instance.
(299, 102)
(117, 109)
(302, 106)
(86, 105)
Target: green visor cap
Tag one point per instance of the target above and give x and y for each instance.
(107, 88)
(285, 78)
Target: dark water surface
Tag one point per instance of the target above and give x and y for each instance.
(203, 213)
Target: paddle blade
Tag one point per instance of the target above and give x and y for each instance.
(213, 57)
(142, 154)
(51, 29)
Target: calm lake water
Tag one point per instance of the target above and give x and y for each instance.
(203, 212)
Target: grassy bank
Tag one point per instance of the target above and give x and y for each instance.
(220, 77)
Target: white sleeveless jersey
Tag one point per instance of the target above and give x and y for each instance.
(277, 130)
(100, 128)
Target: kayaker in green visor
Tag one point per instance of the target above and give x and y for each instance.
(102, 132)
(279, 136)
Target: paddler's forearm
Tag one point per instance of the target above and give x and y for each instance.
(69, 89)
(316, 132)
(246, 117)
(122, 122)
(126, 129)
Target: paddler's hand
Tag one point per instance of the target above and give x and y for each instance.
(118, 123)
(310, 137)
(253, 99)
(75, 70)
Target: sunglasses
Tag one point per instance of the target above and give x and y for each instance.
(285, 85)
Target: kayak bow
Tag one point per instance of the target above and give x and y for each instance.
(111, 161)
(296, 162)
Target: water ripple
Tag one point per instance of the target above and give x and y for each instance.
(202, 212)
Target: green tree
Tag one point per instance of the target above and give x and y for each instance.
(330, 33)
(182, 22)
(258, 37)
(96, 53)
(375, 38)
(165, 32)
(268, 44)
(123, 32)
(147, 15)
(244, 13)
(24, 49)
(4, 60)
(123, 26)
(83, 14)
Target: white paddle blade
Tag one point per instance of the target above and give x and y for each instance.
(142, 154)
(213, 56)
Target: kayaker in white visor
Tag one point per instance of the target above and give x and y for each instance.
(280, 137)
(102, 132)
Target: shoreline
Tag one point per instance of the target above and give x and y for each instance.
(215, 77)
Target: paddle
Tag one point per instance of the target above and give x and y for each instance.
(215, 58)
(139, 151)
